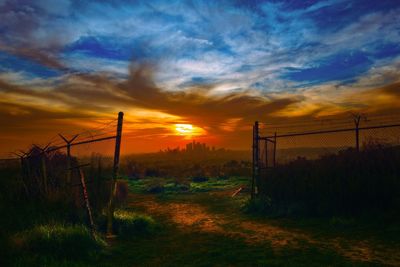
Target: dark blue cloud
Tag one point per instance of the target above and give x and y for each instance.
(103, 47)
(338, 15)
(257, 44)
(19, 64)
(341, 66)
(386, 50)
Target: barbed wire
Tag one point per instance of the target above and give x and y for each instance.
(55, 143)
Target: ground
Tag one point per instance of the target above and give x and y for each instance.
(210, 229)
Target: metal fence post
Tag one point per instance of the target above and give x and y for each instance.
(23, 171)
(68, 155)
(115, 174)
(44, 167)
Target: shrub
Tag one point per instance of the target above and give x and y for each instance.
(128, 224)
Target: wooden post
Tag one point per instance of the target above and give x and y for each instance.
(69, 170)
(111, 204)
(86, 199)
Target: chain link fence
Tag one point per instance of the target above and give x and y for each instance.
(328, 169)
(276, 147)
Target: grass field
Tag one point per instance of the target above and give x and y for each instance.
(209, 228)
(201, 224)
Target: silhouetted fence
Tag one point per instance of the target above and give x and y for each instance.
(54, 172)
(280, 144)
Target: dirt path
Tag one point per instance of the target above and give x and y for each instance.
(191, 216)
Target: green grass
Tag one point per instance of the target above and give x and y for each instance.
(55, 243)
(215, 249)
(146, 238)
(129, 224)
(171, 186)
(174, 247)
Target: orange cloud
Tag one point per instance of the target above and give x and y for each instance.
(79, 101)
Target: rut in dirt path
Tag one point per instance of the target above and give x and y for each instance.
(196, 217)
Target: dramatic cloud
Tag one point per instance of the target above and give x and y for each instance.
(218, 65)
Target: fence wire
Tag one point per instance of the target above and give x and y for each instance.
(313, 139)
(50, 169)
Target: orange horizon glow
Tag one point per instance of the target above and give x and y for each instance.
(31, 116)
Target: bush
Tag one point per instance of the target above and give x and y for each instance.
(128, 224)
(59, 241)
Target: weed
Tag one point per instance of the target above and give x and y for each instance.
(59, 241)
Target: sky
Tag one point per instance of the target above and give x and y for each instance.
(183, 70)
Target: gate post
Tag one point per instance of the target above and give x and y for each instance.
(111, 204)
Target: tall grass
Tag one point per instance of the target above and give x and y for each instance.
(54, 244)
(59, 241)
(39, 228)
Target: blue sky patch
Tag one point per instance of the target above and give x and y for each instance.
(255, 44)
(13, 63)
(342, 66)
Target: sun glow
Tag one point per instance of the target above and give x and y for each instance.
(188, 130)
(184, 129)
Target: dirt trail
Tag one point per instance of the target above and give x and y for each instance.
(195, 217)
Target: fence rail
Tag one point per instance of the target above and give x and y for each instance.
(330, 131)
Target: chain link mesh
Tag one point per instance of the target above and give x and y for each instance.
(313, 139)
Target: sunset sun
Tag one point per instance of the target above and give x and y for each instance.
(184, 129)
